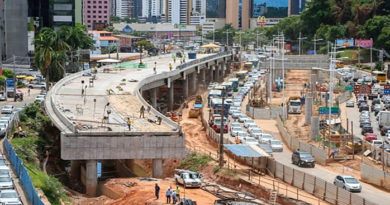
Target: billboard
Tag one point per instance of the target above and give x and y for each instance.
(364, 43)
(10, 84)
(345, 42)
(261, 21)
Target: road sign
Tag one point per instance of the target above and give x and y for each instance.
(325, 110)
(386, 91)
(348, 88)
(362, 89)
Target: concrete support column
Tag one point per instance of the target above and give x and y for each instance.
(216, 73)
(157, 170)
(223, 68)
(203, 75)
(171, 97)
(315, 127)
(194, 85)
(211, 74)
(75, 169)
(185, 87)
(227, 66)
(308, 108)
(91, 177)
(153, 97)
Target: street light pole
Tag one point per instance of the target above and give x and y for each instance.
(300, 42)
(227, 37)
(257, 38)
(315, 43)
(240, 38)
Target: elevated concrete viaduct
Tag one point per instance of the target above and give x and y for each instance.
(92, 113)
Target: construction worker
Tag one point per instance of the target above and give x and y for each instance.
(159, 119)
(181, 60)
(170, 66)
(95, 69)
(142, 112)
(129, 123)
(178, 193)
(174, 59)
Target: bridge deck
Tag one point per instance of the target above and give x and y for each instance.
(87, 115)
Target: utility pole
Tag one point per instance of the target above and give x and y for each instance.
(240, 38)
(315, 43)
(371, 58)
(14, 59)
(257, 38)
(214, 35)
(221, 130)
(300, 42)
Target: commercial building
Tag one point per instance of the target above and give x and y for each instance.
(237, 13)
(62, 12)
(210, 25)
(103, 40)
(127, 42)
(96, 13)
(153, 8)
(160, 31)
(272, 11)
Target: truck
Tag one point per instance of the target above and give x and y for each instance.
(188, 178)
(383, 119)
(294, 105)
(197, 109)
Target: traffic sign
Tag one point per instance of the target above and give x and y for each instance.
(362, 89)
(386, 91)
(325, 110)
(348, 88)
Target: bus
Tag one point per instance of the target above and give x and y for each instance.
(242, 75)
(228, 86)
(248, 66)
(235, 84)
(380, 76)
(216, 104)
(214, 94)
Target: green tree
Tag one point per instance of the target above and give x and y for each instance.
(373, 27)
(146, 46)
(109, 50)
(247, 37)
(115, 19)
(8, 73)
(384, 38)
(76, 37)
(220, 34)
(317, 11)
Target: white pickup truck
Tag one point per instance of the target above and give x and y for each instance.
(188, 178)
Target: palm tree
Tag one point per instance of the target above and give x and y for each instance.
(49, 52)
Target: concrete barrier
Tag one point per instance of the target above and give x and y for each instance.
(263, 113)
(374, 176)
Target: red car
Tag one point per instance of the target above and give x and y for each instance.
(370, 136)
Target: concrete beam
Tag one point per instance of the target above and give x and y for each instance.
(91, 177)
(155, 84)
(157, 170)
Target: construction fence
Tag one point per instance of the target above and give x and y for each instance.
(375, 176)
(19, 169)
(292, 143)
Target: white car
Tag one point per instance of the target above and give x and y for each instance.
(232, 109)
(37, 85)
(242, 118)
(39, 98)
(236, 114)
(265, 138)
(6, 182)
(256, 133)
(236, 130)
(235, 124)
(250, 140)
(7, 109)
(9, 196)
(377, 143)
(5, 171)
(252, 126)
(242, 135)
(3, 130)
(247, 122)
(276, 145)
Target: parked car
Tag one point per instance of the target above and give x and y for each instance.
(276, 145)
(370, 136)
(7, 109)
(348, 183)
(36, 85)
(350, 103)
(367, 129)
(302, 158)
(9, 196)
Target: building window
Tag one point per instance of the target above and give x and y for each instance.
(94, 12)
(105, 7)
(94, 16)
(99, 12)
(105, 12)
(89, 21)
(105, 2)
(88, 11)
(100, 7)
(88, 16)
(89, 2)
(89, 7)
(94, 7)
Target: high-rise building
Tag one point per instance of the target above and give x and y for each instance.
(137, 8)
(199, 6)
(153, 8)
(62, 12)
(13, 35)
(296, 7)
(179, 11)
(123, 8)
(237, 13)
(96, 13)
(216, 8)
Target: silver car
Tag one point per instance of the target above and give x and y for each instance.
(242, 118)
(236, 130)
(265, 138)
(242, 135)
(255, 133)
(9, 196)
(350, 103)
(6, 182)
(7, 109)
(236, 114)
(250, 141)
(348, 183)
(276, 145)
(247, 122)
(3, 130)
